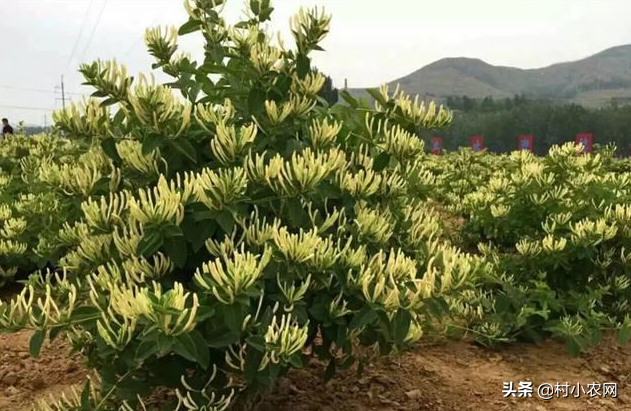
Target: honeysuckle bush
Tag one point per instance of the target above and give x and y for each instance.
(32, 210)
(233, 223)
(449, 177)
(558, 230)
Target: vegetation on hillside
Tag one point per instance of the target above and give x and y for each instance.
(592, 82)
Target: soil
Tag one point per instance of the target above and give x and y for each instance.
(24, 380)
(452, 375)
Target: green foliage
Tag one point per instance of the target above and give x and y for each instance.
(557, 230)
(203, 237)
(501, 121)
(33, 203)
(227, 232)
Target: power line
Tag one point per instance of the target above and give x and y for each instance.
(96, 25)
(132, 48)
(76, 43)
(36, 90)
(141, 38)
(27, 108)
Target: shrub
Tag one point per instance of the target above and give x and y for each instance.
(246, 222)
(557, 229)
(32, 208)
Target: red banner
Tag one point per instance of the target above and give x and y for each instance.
(526, 142)
(477, 143)
(585, 140)
(437, 146)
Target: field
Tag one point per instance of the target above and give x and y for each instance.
(437, 376)
(230, 240)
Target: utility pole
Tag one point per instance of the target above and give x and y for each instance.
(63, 94)
(345, 84)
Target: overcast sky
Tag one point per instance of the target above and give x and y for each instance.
(371, 41)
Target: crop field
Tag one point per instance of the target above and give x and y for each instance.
(229, 240)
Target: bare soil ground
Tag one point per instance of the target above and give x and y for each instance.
(23, 379)
(452, 375)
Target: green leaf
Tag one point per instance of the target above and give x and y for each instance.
(85, 396)
(349, 99)
(364, 317)
(176, 250)
(233, 316)
(149, 244)
(319, 310)
(381, 161)
(192, 346)
(330, 370)
(35, 343)
(83, 313)
(254, 6)
(108, 102)
(402, 321)
(119, 117)
(109, 147)
(145, 350)
(201, 231)
(297, 214)
(265, 13)
(257, 342)
(186, 148)
(624, 335)
(296, 361)
(166, 371)
(163, 343)
(360, 369)
(204, 215)
(595, 337)
(130, 387)
(189, 27)
(374, 93)
(281, 86)
(303, 65)
(252, 362)
(222, 340)
(151, 142)
(193, 92)
(225, 221)
(574, 347)
(171, 231)
(256, 101)
(52, 334)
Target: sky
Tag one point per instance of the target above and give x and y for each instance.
(371, 41)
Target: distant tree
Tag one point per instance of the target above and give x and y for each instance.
(501, 122)
(30, 130)
(328, 92)
(468, 104)
(487, 104)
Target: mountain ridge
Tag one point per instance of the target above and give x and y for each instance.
(592, 81)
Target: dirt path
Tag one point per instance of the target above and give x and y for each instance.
(440, 377)
(461, 376)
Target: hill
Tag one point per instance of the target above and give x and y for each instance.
(593, 81)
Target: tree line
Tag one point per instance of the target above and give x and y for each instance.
(500, 122)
